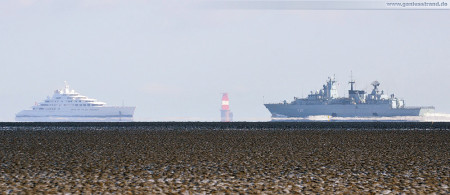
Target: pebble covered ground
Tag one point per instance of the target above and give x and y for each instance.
(130, 160)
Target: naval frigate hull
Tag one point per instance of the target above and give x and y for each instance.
(358, 110)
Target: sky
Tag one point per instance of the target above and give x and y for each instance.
(173, 59)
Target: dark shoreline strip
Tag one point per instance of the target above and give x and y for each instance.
(237, 125)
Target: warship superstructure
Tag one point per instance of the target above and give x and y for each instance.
(358, 104)
(68, 105)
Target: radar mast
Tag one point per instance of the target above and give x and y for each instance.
(352, 82)
(66, 87)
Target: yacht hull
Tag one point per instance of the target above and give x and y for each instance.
(100, 114)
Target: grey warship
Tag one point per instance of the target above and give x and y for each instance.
(358, 104)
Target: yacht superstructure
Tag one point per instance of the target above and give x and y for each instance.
(68, 105)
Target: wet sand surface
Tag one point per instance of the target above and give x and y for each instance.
(130, 160)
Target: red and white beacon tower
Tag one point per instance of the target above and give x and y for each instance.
(225, 113)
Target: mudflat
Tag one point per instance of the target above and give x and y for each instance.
(154, 160)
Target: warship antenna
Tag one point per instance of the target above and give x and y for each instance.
(375, 84)
(352, 82)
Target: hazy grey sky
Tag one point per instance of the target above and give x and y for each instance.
(172, 59)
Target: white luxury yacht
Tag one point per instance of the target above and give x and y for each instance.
(67, 105)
